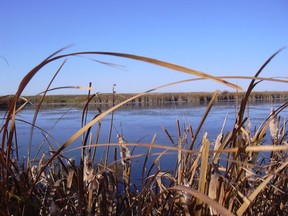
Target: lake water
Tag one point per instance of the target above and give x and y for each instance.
(138, 124)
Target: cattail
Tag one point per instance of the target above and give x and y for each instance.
(250, 178)
(88, 173)
(71, 163)
(216, 189)
(124, 151)
(34, 172)
(125, 160)
(249, 125)
(274, 125)
(217, 144)
(186, 197)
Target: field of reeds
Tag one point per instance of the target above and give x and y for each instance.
(154, 99)
(228, 176)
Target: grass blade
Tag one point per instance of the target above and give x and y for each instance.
(201, 196)
(255, 193)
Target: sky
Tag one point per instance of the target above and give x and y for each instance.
(220, 38)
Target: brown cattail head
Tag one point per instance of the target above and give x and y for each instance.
(89, 176)
(124, 151)
(274, 125)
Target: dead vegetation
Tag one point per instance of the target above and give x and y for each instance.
(225, 177)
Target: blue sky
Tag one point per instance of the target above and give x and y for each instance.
(216, 37)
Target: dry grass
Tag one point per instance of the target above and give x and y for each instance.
(228, 179)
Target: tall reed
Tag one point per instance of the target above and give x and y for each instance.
(229, 178)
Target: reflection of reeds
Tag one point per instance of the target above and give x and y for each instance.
(232, 178)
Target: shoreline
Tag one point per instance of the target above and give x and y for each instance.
(152, 98)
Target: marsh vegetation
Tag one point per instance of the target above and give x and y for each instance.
(227, 176)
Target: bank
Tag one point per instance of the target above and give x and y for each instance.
(152, 98)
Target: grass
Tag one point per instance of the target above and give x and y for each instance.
(225, 177)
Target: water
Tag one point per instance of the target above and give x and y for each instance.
(137, 124)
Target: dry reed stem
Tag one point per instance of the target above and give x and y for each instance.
(54, 57)
(255, 193)
(146, 158)
(84, 182)
(179, 161)
(219, 208)
(203, 169)
(274, 124)
(208, 108)
(216, 191)
(156, 62)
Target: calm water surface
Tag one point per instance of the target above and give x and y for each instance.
(137, 124)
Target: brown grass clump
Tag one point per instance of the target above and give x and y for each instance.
(227, 179)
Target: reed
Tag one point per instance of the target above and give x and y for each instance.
(227, 179)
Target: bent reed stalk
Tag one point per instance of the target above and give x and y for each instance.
(228, 179)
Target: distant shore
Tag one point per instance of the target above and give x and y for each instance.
(154, 98)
